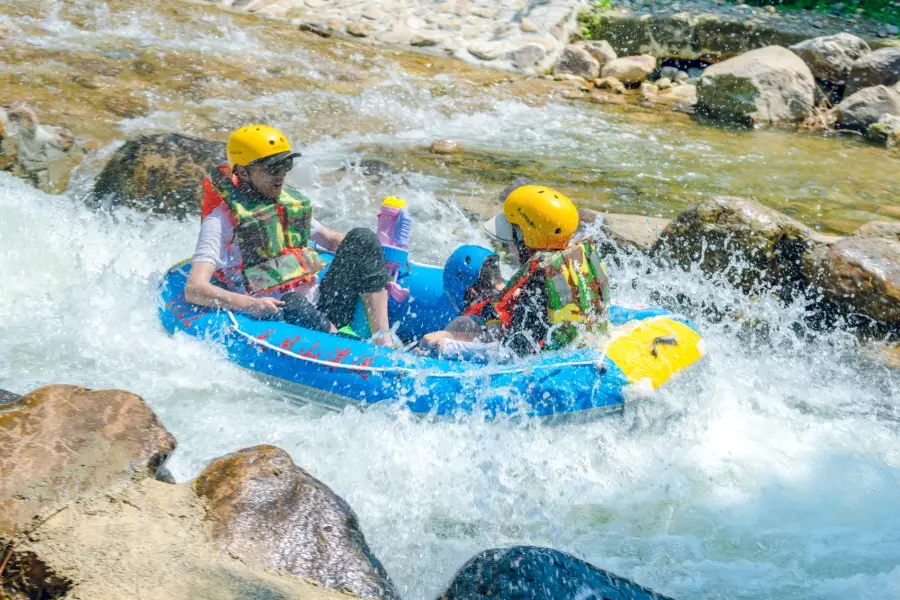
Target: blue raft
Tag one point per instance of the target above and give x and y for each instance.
(650, 347)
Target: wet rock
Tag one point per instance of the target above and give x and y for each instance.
(360, 29)
(63, 442)
(600, 50)
(663, 83)
(527, 56)
(446, 147)
(127, 107)
(866, 107)
(886, 132)
(530, 572)
(610, 83)
(43, 155)
(485, 50)
(748, 244)
(577, 61)
(769, 85)
(881, 67)
(630, 70)
(831, 57)
(861, 273)
(269, 512)
(158, 174)
(879, 229)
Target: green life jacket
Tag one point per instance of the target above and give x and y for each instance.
(577, 292)
(272, 236)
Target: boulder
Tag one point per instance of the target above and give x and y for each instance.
(881, 67)
(610, 83)
(861, 274)
(748, 244)
(269, 512)
(158, 174)
(530, 572)
(600, 50)
(879, 229)
(769, 85)
(630, 70)
(577, 61)
(885, 132)
(43, 155)
(866, 107)
(831, 57)
(527, 55)
(445, 146)
(64, 442)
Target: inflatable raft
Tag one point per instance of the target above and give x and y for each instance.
(648, 347)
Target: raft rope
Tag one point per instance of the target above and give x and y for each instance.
(597, 363)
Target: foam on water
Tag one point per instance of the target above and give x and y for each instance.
(770, 472)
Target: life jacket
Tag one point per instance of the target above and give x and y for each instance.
(577, 292)
(272, 236)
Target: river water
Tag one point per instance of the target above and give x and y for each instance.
(769, 472)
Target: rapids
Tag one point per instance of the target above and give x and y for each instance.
(773, 471)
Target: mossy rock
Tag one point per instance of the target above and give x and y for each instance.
(159, 174)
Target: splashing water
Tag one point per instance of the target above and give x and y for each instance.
(769, 472)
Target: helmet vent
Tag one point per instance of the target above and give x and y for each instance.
(558, 231)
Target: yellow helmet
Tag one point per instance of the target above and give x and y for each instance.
(255, 142)
(547, 219)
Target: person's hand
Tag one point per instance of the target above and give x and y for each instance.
(264, 307)
(386, 339)
(435, 339)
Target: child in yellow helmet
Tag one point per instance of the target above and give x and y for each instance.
(561, 288)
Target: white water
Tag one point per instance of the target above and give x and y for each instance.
(770, 472)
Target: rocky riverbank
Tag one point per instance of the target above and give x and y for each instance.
(84, 515)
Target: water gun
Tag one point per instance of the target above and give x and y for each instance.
(394, 224)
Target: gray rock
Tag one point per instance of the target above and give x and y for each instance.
(880, 229)
(862, 274)
(43, 155)
(527, 56)
(866, 107)
(881, 67)
(886, 132)
(485, 50)
(265, 510)
(831, 57)
(671, 73)
(769, 85)
(630, 70)
(576, 60)
(601, 50)
(530, 572)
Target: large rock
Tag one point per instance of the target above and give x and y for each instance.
(159, 174)
(748, 244)
(885, 132)
(576, 60)
(269, 512)
(769, 85)
(831, 57)
(601, 50)
(43, 155)
(530, 573)
(881, 67)
(866, 107)
(630, 70)
(63, 442)
(889, 230)
(862, 274)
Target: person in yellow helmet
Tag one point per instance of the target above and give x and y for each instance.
(253, 254)
(560, 290)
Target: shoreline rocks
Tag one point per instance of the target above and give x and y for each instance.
(43, 155)
(831, 58)
(765, 86)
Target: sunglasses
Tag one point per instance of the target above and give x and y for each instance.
(278, 167)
